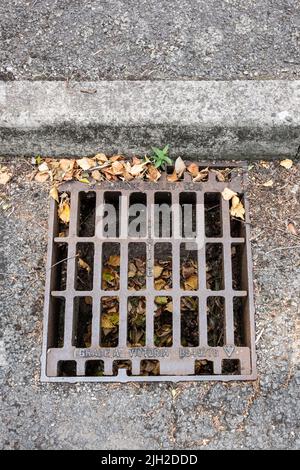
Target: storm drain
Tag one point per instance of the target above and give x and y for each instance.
(149, 282)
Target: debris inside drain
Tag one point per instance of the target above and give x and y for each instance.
(170, 298)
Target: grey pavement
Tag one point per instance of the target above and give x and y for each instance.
(141, 40)
(257, 415)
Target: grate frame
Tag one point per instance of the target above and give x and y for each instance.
(180, 358)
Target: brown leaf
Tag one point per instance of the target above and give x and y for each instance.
(96, 175)
(220, 175)
(4, 177)
(54, 193)
(115, 158)
(138, 169)
(66, 165)
(84, 265)
(173, 177)
(86, 163)
(132, 270)
(64, 211)
(268, 184)
(237, 208)
(193, 169)
(136, 161)
(187, 271)
(159, 284)
(114, 260)
(291, 228)
(228, 194)
(191, 283)
(101, 157)
(117, 168)
(41, 177)
(287, 163)
(202, 175)
(153, 173)
(157, 270)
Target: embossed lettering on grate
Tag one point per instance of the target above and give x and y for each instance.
(189, 316)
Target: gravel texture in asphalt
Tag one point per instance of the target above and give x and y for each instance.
(139, 39)
(259, 415)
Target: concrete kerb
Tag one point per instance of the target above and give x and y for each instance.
(200, 119)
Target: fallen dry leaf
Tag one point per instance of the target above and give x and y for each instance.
(202, 175)
(136, 161)
(287, 163)
(193, 169)
(153, 174)
(268, 184)
(114, 260)
(228, 194)
(54, 193)
(83, 265)
(179, 167)
(96, 175)
(101, 157)
(64, 212)
(115, 158)
(41, 177)
(291, 228)
(86, 163)
(264, 164)
(157, 271)
(159, 284)
(173, 177)
(5, 176)
(138, 169)
(237, 209)
(43, 167)
(191, 283)
(117, 168)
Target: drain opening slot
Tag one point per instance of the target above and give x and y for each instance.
(215, 321)
(110, 316)
(150, 367)
(111, 214)
(187, 203)
(188, 268)
(84, 266)
(119, 364)
(204, 367)
(189, 309)
(163, 266)
(163, 321)
(136, 322)
(87, 213)
(94, 368)
(59, 269)
(56, 330)
(214, 266)
(66, 369)
(213, 218)
(137, 215)
(110, 266)
(163, 215)
(82, 322)
(137, 266)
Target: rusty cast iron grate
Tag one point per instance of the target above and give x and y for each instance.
(149, 282)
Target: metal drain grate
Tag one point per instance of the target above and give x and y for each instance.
(192, 298)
